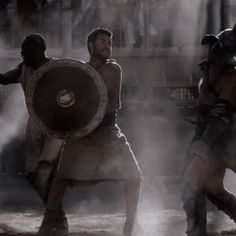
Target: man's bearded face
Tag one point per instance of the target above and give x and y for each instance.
(102, 47)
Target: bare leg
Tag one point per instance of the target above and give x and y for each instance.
(54, 222)
(193, 197)
(56, 194)
(132, 194)
(216, 192)
(201, 178)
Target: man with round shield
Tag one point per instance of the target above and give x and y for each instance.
(102, 155)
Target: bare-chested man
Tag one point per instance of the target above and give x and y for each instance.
(212, 149)
(105, 153)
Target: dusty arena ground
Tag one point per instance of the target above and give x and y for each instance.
(160, 213)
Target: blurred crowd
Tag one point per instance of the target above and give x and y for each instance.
(132, 21)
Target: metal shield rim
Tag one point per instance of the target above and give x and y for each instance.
(102, 93)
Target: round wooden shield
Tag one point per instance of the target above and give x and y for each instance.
(66, 98)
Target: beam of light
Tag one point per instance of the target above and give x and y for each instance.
(13, 116)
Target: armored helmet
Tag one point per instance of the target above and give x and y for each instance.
(222, 47)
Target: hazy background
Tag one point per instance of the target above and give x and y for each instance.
(157, 43)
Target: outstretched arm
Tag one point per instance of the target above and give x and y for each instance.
(11, 76)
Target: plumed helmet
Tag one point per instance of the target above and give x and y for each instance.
(222, 47)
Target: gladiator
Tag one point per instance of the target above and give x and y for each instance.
(102, 155)
(33, 54)
(212, 149)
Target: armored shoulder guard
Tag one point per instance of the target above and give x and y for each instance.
(222, 110)
(218, 121)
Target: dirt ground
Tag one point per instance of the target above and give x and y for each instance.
(160, 213)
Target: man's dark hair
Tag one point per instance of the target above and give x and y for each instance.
(92, 36)
(36, 40)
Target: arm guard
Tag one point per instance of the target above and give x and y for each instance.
(218, 121)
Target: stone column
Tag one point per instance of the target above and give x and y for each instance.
(66, 28)
(213, 22)
(225, 9)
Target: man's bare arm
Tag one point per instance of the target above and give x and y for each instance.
(11, 76)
